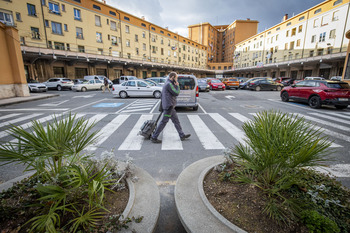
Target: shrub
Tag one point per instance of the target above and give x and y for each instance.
(318, 223)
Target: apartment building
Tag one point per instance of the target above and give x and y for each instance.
(73, 38)
(312, 43)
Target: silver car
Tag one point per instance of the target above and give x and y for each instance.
(136, 88)
(35, 86)
(59, 83)
(189, 92)
(94, 84)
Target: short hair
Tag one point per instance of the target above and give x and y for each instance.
(172, 74)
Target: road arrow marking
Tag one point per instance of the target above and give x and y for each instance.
(84, 96)
(230, 97)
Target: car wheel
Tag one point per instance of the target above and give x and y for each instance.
(278, 88)
(59, 88)
(315, 102)
(83, 89)
(257, 88)
(123, 94)
(285, 96)
(157, 94)
(195, 108)
(341, 106)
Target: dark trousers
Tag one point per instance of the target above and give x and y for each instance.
(168, 114)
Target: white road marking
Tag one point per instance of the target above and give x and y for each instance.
(206, 137)
(135, 110)
(126, 107)
(229, 127)
(96, 118)
(240, 117)
(171, 139)
(8, 123)
(230, 97)
(134, 141)
(54, 103)
(34, 109)
(9, 116)
(202, 109)
(316, 120)
(108, 130)
(331, 118)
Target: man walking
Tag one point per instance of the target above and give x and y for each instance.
(106, 85)
(170, 91)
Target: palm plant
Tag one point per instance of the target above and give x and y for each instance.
(276, 147)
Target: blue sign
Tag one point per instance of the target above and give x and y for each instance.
(107, 105)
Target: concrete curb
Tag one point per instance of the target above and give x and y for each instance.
(195, 212)
(32, 97)
(144, 200)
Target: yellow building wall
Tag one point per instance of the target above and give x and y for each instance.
(346, 72)
(12, 79)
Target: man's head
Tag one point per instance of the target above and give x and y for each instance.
(172, 75)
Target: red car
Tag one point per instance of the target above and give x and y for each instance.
(319, 92)
(216, 84)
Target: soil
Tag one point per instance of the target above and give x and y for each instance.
(242, 204)
(114, 202)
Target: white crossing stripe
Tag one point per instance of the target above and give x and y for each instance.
(229, 127)
(108, 130)
(134, 141)
(330, 118)
(240, 117)
(141, 105)
(135, 110)
(341, 115)
(206, 137)
(9, 116)
(7, 123)
(171, 139)
(96, 118)
(326, 123)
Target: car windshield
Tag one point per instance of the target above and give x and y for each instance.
(233, 80)
(338, 85)
(202, 81)
(86, 81)
(132, 78)
(186, 83)
(215, 81)
(66, 80)
(150, 82)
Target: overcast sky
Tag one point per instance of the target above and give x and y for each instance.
(178, 14)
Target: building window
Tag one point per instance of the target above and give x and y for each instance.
(311, 53)
(319, 52)
(63, 7)
(144, 46)
(100, 51)
(18, 16)
(35, 33)
(332, 34)
(335, 16)
(322, 37)
(143, 25)
(287, 33)
(96, 7)
(161, 41)
(313, 39)
(161, 51)
(126, 18)
(301, 18)
(300, 28)
(127, 43)
(294, 31)
(77, 14)
(31, 9)
(65, 26)
(56, 28)
(113, 26)
(59, 46)
(112, 13)
(137, 51)
(114, 40)
(136, 38)
(316, 23)
(81, 49)
(54, 8)
(318, 11)
(6, 18)
(127, 29)
(337, 2)
(143, 34)
(286, 46)
(47, 24)
(79, 32)
(97, 20)
(298, 43)
(288, 24)
(99, 37)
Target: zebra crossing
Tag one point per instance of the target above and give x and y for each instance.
(335, 125)
(140, 105)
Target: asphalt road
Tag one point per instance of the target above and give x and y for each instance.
(215, 126)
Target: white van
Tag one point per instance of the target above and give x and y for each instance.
(100, 77)
(126, 78)
(189, 92)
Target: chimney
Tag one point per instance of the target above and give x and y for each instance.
(285, 17)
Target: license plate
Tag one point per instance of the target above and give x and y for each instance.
(219, 86)
(343, 99)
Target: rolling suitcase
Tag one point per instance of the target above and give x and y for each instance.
(148, 127)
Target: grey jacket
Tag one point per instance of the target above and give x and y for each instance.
(169, 93)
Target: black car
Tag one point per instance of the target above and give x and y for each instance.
(245, 85)
(203, 85)
(264, 84)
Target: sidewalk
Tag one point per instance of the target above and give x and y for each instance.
(33, 96)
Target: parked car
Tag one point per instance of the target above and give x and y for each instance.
(231, 83)
(99, 77)
(151, 82)
(35, 86)
(59, 83)
(288, 82)
(189, 91)
(242, 79)
(244, 85)
(126, 78)
(314, 78)
(160, 80)
(336, 78)
(203, 85)
(281, 79)
(216, 84)
(264, 85)
(87, 85)
(319, 92)
(136, 88)
(77, 81)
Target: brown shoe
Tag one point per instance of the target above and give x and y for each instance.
(155, 140)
